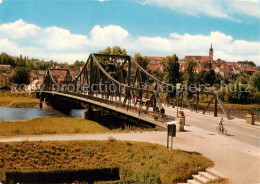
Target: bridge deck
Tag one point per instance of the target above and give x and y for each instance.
(127, 110)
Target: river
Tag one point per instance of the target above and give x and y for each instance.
(14, 114)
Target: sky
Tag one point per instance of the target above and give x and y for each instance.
(68, 30)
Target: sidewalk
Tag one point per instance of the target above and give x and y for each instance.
(238, 161)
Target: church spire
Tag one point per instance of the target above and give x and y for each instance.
(211, 56)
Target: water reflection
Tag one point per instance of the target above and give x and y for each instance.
(14, 114)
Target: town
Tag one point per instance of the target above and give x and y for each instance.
(36, 69)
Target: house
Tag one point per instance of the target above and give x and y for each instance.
(4, 80)
(37, 75)
(249, 71)
(220, 62)
(155, 63)
(58, 75)
(5, 67)
(225, 71)
(155, 59)
(154, 67)
(35, 85)
(237, 70)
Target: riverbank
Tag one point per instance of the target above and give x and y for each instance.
(139, 162)
(58, 125)
(18, 100)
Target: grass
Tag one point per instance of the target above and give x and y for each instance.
(139, 162)
(18, 100)
(242, 107)
(56, 125)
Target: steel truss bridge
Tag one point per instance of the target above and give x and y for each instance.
(119, 85)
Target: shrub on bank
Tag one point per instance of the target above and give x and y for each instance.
(139, 162)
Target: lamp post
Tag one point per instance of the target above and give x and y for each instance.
(178, 87)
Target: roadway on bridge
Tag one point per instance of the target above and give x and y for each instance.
(249, 134)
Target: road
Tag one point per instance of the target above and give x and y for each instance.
(236, 130)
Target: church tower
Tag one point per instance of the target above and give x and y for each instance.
(210, 56)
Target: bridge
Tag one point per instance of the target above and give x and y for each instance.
(118, 85)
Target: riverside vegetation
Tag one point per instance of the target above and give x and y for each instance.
(59, 125)
(137, 162)
(18, 100)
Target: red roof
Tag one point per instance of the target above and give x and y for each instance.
(225, 67)
(204, 58)
(250, 70)
(153, 67)
(193, 57)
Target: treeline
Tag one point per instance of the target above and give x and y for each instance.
(21, 67)
(24, 61)
(250, 63)
(245, 90)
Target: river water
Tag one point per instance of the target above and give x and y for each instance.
(14, 114)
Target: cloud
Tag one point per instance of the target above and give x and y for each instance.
(1, 1)
(221, 8)
(60, 44)
(110, 35)
(101, 0)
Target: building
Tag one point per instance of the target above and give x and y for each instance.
(5, 67)
(225, 71)
(59, 75)
(155, 63)
(249, 71)
(37, 75)
(155, 67)
(202, 61)
(155, 59)
(4, 80)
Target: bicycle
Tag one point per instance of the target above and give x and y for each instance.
(221, 130)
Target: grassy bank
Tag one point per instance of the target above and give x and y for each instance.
(18, 100)
(139, 162)
(56, 125)
(241, 107)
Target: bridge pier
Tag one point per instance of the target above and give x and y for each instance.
(92, 114)
(43, 101)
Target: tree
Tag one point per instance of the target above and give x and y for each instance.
(6, 59)
(189, 76)
(116, 50)
(172, 70)
(239, 93)
(21, 62)
(21, 76)
(142, 61)
(255, 79)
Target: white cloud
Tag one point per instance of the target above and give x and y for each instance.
(60, 44)
(213, 8)
(102, 0)
(1, 1)
(109, 35)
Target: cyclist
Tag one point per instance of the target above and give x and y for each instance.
(221, 125)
